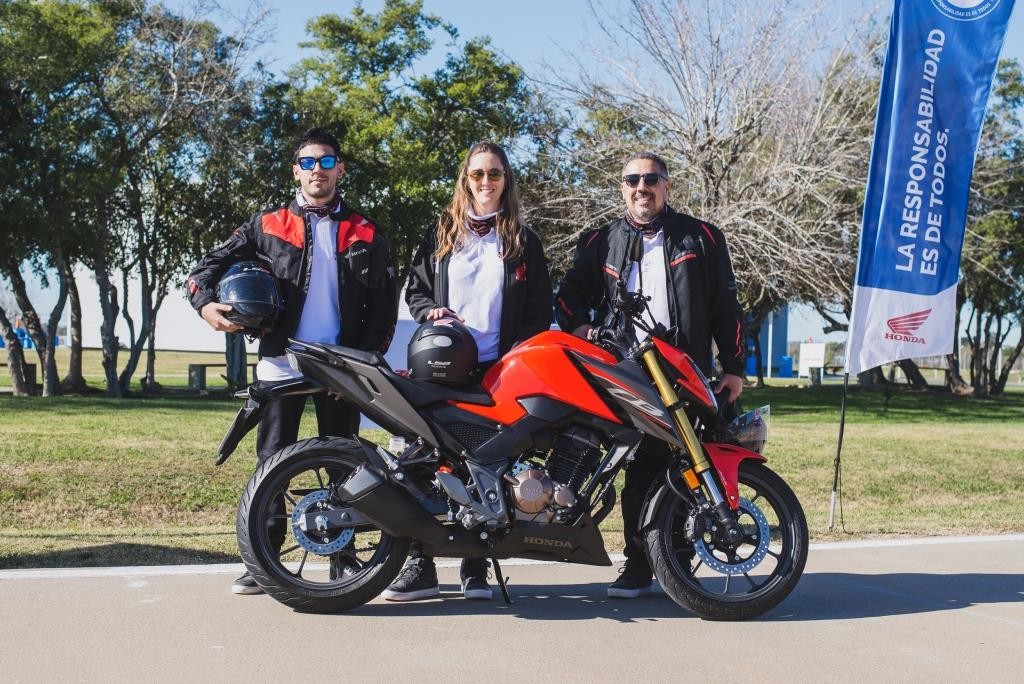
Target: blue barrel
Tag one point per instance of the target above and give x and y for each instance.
(785, 366)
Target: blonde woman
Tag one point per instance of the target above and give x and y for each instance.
(480, 265)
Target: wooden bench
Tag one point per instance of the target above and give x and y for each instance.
(197, 373)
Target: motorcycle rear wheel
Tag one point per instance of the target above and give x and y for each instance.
(721, 583)
(300, 473)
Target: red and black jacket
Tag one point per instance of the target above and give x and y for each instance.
(702, 287)
(367, 294)
(525, 299)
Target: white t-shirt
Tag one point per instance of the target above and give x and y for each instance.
(655, 281)
(320, 320)
(476, 280)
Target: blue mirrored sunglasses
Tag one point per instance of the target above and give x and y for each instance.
(328, 161)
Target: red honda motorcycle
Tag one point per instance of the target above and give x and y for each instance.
(521, 466)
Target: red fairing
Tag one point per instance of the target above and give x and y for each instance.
(541, 366)
(691, 379)
(726, 459)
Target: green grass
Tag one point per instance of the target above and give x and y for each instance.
(94, 481)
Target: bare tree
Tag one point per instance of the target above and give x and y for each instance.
(764, 115)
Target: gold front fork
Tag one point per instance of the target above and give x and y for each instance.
(701, 466)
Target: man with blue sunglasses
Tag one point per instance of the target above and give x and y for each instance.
(334, 271)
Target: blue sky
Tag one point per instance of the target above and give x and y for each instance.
(529, 32)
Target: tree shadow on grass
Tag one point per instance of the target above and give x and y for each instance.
(115, 554)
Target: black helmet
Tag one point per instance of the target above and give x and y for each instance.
(442, 351)
(251, 290)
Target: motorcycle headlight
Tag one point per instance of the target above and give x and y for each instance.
(750, 430)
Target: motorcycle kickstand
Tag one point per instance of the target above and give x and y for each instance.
(501, 582)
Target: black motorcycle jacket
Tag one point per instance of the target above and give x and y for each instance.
(526, 296)
(702, 287)
(367, 294)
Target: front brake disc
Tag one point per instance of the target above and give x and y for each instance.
(706, 548)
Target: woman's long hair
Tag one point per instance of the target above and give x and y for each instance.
(451, 224)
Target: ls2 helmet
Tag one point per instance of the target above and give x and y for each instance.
(442, 351)
(251, 290)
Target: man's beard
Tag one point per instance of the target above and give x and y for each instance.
(646, 212)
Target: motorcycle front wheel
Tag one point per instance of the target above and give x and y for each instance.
(325, 571)
(718, 581)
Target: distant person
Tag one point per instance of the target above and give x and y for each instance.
(334, 269)
(480, 265)
(688, 275)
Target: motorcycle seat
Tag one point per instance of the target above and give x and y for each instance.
(422, 392)
(372, 358)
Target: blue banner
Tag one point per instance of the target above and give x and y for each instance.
(938, 71)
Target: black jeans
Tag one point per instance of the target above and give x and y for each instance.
(651, 459)
(471, 567)
(279, 427)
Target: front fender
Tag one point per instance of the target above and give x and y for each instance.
(726, 459)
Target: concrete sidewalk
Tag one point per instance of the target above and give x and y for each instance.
(907, 610)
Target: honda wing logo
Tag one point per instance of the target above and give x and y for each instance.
(904, 327)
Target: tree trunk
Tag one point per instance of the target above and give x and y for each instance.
(913, 373)
(51, 378)
(993, 345)
(237, 361)
(15, 356)
(149, 384)
(110, 309)
(873, 377)
(1004, 373)
(954, 381)
(978, 359)
(29, 317)
(74, 381)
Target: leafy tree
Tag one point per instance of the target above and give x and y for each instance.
(404, 135)
(993, 259)
(174, 78)
(49, 53)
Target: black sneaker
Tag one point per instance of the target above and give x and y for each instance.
(417, 580)
(343, 566)
(474, 579)
(634, 580)
(246, 585)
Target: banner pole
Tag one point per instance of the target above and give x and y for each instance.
(839, 450)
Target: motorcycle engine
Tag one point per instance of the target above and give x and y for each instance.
(548, 493)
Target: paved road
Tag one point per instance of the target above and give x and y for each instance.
(910, 610)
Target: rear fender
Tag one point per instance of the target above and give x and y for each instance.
(725, 457)
(256, 400)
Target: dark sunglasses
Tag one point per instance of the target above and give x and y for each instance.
(633, 179)
(492, 174)
(327, 162)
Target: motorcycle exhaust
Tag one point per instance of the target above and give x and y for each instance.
(391, 508)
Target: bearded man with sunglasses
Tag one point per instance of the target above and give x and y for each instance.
(334, 270)
(686, 271)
